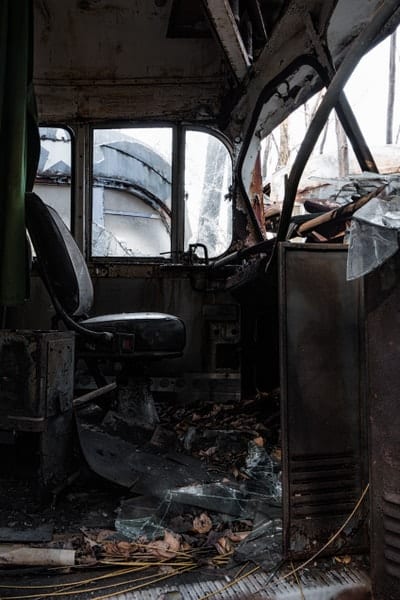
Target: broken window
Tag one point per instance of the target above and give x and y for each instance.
(332, 159)
(134, 194)
(53, 179)
(333, 176)
(208, 178)
(373, 91)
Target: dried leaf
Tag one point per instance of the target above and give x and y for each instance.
(209, 452)
(344, 560)
(185, 546)
(173, 540)
(118, 548)
(235, 472)
(166, 548)
(105, 535)
(202, 524)
(238, 536)
(224, 545)
(160, 549)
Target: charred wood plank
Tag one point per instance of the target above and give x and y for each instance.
(339, 214)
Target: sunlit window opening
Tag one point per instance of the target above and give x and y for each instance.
(131, 199)
(376, 109)
(53, 179)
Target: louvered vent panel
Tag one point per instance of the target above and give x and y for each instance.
(323, 485)
(391, 525)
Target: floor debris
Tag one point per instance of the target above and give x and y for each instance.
(204, 500)
(11, 554)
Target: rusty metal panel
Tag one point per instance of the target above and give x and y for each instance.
(60, 374)
(36, 375)
(179, 100)
(323, 399)
(382, 290)
(56, 449)
(229, 35)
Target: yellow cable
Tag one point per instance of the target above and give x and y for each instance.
(187, 567)
(242, 568)
(81, 591)
(307, 562)
(149, 564)
(60, 585)
(331, 540)
(228, 585)
(138, 587)
(299, 583)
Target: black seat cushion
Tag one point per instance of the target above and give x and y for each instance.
(66, 274)
(154, 332)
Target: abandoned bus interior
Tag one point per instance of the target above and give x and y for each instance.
(199, 300)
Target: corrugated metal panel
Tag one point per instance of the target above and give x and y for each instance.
(314, 586)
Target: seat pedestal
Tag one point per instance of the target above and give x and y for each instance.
(133, 415)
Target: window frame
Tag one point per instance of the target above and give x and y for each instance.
(229, 146)
(72, 135)
(177, 188)
(346, 117)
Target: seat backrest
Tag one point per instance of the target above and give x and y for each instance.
(62, 264)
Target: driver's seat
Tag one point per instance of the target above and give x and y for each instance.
(135, 335)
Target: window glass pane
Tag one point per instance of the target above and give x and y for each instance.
(53, 178)
(131, 198)
(208, 177)
(368, 94)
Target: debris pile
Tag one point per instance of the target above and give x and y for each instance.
(331, 204)
(203, 488)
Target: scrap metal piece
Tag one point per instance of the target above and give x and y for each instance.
(43, 533)
(128, 465)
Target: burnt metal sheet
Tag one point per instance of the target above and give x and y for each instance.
(42, 533)
(36, 375)
(323, 399)
(382, 290)
(128, 465)
(56, 449)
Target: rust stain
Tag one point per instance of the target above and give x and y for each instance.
(256, 192)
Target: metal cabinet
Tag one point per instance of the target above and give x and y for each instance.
(325, 461)
(36, 393)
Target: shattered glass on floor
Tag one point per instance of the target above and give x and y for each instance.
(195, 498)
